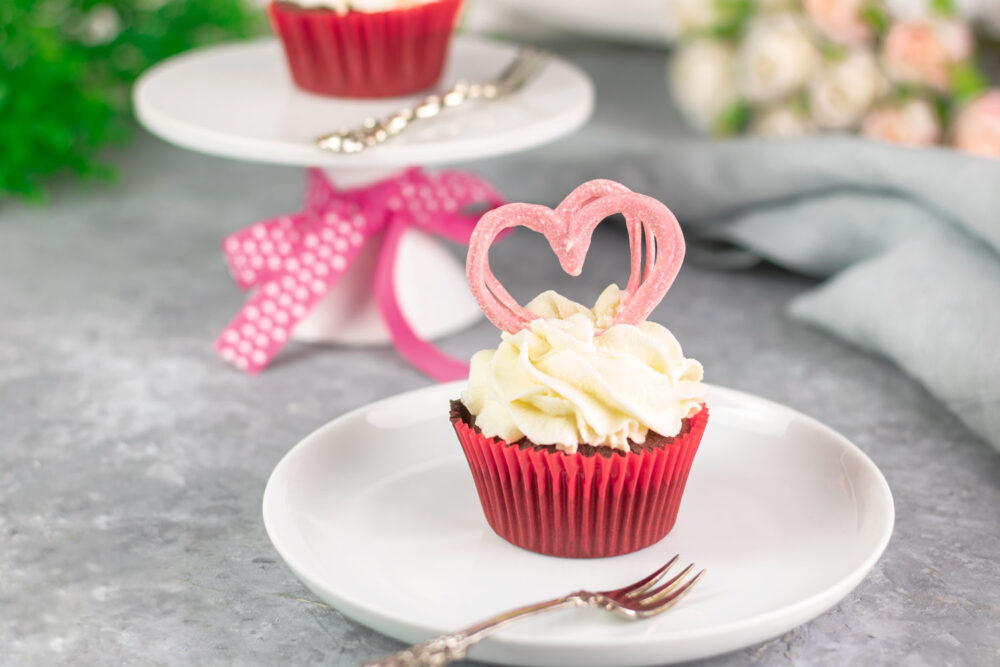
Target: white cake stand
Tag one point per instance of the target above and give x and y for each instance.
(238, 101)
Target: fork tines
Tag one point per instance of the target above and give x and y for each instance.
(646, 598)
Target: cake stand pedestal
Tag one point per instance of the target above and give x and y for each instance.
(238, 101)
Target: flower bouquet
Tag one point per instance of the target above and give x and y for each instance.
(783, 68)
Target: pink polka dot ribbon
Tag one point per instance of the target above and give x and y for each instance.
(292, 261)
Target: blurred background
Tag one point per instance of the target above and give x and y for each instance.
(766, 67)
(835, 165)
(857, 140)
(850, 140)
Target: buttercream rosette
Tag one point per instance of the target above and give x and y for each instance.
(580, 432)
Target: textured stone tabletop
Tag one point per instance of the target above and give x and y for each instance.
(132, 460)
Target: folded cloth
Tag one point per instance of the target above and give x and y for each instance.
(909, 239)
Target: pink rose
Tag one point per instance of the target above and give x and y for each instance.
(912, 123)
(924, 51)
(839, 20)
(977, 128)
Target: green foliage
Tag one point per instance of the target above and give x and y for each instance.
(832, 52)
(943, 7)
(968, 82)
(733, 15)
(66, 69)
(733, 120)
(876, 16)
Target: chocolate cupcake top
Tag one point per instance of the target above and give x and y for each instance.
(572, 378)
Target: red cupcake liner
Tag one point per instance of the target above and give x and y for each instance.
(358, 54)
(579, 506)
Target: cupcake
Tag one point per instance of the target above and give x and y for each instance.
(365, 48)
(581, 426)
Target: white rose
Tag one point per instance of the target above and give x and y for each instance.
(843, 91)
(776, 57)
(781, 122)
(687, 16)
(702, 76)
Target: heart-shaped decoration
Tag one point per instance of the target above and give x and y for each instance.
(568, 229)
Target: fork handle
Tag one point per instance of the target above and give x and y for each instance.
(454, 645)
(375, 132)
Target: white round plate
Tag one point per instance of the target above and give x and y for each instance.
(238, 101)
(377, 514)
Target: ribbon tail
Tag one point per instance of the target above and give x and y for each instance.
(421, 353)
(307, 272)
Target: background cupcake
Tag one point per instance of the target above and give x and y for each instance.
(580, 440)
(365, 48)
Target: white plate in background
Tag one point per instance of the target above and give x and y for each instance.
(238, 101)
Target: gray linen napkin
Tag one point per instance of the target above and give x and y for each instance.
(908, 239)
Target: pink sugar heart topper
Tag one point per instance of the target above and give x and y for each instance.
(568, 230)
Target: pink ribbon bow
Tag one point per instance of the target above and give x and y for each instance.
(294, 260)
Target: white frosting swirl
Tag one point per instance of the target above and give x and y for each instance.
(557, 383)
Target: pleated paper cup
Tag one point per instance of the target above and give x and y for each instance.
(576, 505)
(359, 54)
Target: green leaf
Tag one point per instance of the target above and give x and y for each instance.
(799, 103)
(733, 120)
(832, 52)
(733, 16)
(62, 99)
(942, 110)
(967, 82)
(875, 15)
(943, 7)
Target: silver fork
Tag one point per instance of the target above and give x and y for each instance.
(641, 599)
(525, 66)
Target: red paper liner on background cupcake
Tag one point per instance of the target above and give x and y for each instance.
(350, 51)
(584, 505)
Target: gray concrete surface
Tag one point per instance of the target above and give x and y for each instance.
(132, 460)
